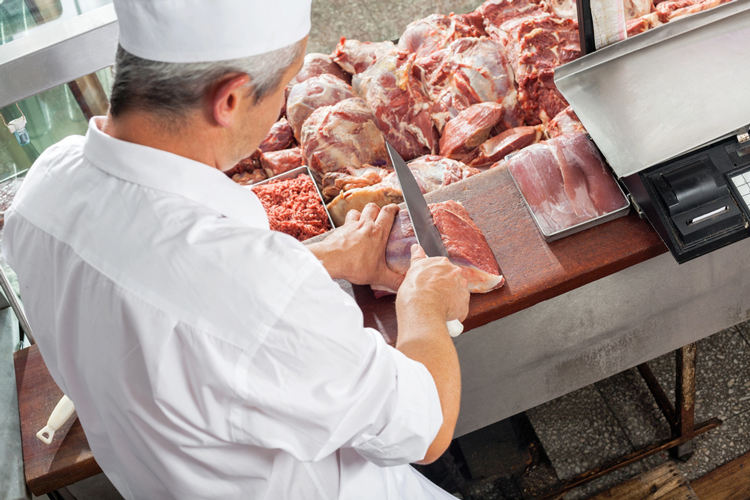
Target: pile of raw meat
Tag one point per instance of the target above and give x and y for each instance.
(293, 207)
(455, 96)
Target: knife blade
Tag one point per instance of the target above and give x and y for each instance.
(425, 231)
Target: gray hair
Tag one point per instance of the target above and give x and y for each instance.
(176, 88)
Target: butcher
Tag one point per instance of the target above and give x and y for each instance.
(207, 356)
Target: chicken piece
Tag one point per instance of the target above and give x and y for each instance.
(469, 71)
(431, 173)
(278, 162)
(536, 46)
(343, 135)
(466, 245)
(334, 183)
(435, 32)
(496, 148)
(355, 57)
(311, 94)
(400, 104)
(319, 64)
(470, 128)
(566, 122)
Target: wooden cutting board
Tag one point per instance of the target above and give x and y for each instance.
(68, 459)
(534, 269)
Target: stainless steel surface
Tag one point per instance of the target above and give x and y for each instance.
(57, 54)
(15, 304)
(666, 91)
(292, 174)
(427, 234)
(556, 235)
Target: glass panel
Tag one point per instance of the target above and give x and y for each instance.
(19, 17)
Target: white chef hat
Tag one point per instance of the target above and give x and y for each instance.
(186, 31)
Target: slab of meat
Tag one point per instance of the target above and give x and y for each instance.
(435, 32)
(293, 207)
(279, 137)
(311, 94)
(566, 122)
(400, 104)
(469, 71)
(500, 146)
(565, 182)
(343, 135)
(249, 177)
(319, 64)
(536, 46)
(355, 57)
(466, 245)
(474, 18)
(677, 8)
(469, 129)
(278, 162)
(431, 173)
(498, 12)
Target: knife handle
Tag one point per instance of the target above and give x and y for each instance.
(455, 327)
(60, 415)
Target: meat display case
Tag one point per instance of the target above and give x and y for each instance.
(669, 110)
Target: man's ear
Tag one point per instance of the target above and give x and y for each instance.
(226, 98)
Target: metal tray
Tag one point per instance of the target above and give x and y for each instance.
(292, 174)
(548, 237)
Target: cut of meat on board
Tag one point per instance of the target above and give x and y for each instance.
(536, 46)
(343, 135)
(400, 104)
(464, 241)
(566, 122)
(565, 182)
(435, 32)
(469, 71)
(431, 173)
(334, 183)
(500, 146)
(313, 93)
(293, 207)
(355, 57)
(278, 162)
(319, 64)
(469, 129)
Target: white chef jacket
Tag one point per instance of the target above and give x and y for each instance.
(207, 356)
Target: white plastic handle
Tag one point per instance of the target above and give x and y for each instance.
(455, 327)
(60, 415)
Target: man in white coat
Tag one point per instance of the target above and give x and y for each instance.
(207, 356)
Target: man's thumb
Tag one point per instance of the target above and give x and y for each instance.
(417, 253)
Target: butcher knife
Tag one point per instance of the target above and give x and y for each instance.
(427, 234)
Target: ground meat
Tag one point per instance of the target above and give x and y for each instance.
(294, 207)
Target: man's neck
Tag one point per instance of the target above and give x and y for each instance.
(188, 141)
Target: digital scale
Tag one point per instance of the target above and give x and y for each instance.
(670, 109)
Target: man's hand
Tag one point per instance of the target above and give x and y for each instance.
(356, 251)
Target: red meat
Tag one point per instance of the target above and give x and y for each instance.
(278, 162)
(566, 122)
(316, 65)
(311, 94)
(500, 146)
(343, 135)
(400, 104)
(425, 36)
(355, 57)
(469, 129)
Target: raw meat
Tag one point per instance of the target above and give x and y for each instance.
(431, 173)
(500, 146)
(334, 183)
(637, 8)
(566, 122)
(316, 65)
(475, 19)
(643, 23)
(565, 182)
(278, 162)
(400, 104)
(311, 94)
(466, 245)
(536, 46)
(498, 12)
(469, 71)
(470, 128)
(293, 207)
(355, 57)
(249, 177)
(425, 36)
(279, 137)
(343, 135)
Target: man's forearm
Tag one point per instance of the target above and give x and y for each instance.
(423, 337)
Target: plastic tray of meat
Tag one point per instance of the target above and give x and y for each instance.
(566, 187)
(293, 174)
